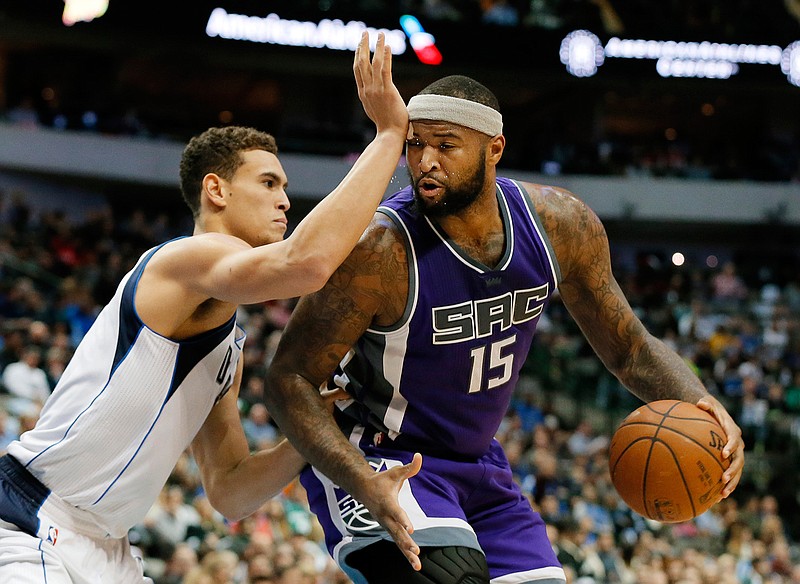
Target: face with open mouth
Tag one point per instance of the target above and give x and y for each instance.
(446, 166)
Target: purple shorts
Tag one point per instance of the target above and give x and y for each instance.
(474, 504)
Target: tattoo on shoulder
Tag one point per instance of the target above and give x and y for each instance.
(370, 287)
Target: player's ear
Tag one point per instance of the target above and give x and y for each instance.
(494, 149)
(214, 190)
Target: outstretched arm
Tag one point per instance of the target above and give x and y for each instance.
(643, 363)
(321, 330)
(218, 266)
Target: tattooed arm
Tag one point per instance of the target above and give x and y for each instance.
(643, 363)
(369, 287)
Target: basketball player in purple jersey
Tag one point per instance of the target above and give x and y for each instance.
(426, 325)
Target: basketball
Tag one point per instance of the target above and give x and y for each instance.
(665, 460)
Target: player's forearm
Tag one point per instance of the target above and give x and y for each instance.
(333, 227)
(304, 418)
(655, 372)
(255, 480)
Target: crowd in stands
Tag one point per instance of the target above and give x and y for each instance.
(742, 338)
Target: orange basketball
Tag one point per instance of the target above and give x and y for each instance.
(666, 460)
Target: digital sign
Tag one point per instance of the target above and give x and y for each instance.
(272, 29)
(582, 52)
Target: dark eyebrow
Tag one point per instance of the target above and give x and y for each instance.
(274, 177)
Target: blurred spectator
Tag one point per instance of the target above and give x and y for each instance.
(56, 361)
(259, 570)
(12, 346)
(78, 310)
(722, 341)
(26, 382)
(728, 288)
(9, 429)
(584, 441)
(260, 432)
(575, 554)
(171, 517)
(614, 568)
(221, 566)
(182, 561)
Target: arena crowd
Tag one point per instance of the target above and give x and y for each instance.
(742, 337)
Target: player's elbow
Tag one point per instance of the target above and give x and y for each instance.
(317, 273)
(222, 501)
(310, 271)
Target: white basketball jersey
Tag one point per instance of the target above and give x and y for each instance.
(128, 404)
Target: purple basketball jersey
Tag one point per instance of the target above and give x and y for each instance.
(440, 381)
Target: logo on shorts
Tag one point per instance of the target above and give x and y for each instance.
(355, 515)
(52, 535)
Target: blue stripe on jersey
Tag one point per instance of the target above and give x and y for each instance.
(193, 350)
(21, 495)
(129, 322)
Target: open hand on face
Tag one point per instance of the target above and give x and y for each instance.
(381, 100)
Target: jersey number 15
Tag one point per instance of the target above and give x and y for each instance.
(491, 362)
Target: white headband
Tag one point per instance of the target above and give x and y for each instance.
(456, 111)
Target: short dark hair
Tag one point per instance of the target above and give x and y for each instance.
(463, 87)
(218, 150)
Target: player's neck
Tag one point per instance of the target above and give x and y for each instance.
(206, 224)
(478, 230)
(479, 219)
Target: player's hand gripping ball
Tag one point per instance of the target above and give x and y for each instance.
(666, 460)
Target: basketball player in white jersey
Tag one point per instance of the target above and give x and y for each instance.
(160, 369)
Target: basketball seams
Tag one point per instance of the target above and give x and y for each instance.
(646, 472)
(628, 447)
(680, 472)
(649, 423)
(713, 453)
(659, 426)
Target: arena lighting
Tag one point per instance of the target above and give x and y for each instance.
(272, 29)
(583, 53)
(790, 63)
(83, 10)
(423, 43)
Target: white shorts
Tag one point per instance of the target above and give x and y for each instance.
(62, 556)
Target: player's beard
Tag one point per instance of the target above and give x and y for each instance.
(455, 196)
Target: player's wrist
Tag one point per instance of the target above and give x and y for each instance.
(393, 135)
